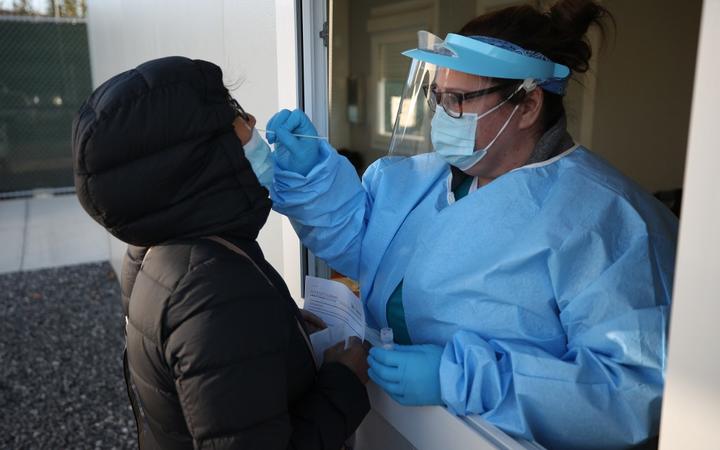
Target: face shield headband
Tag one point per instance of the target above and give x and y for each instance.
(552, 85)
(490, 57)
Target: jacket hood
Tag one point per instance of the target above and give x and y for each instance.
(156, 158)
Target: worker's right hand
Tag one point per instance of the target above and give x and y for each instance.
(354, 357)
(292, 153)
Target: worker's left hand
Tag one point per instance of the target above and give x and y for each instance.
(409, 373)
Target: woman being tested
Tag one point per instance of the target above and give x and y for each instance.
(527, 279)
(217, 352)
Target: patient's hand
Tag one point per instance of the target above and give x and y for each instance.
(312, 322)
(355, 356)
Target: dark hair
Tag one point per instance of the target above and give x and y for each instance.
(558, 33)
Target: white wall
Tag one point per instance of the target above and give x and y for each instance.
(691, 409)
(241, 36)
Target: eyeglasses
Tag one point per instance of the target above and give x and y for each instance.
(452, 102)
(239, 111)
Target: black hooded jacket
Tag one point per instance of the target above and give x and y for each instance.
(216, 357)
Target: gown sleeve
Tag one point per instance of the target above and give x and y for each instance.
(605, 391)
(329, 208)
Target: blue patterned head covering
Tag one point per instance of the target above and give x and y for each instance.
(553, 85)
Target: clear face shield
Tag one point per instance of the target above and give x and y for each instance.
(428, 87)
(411, 130)
(464, 78)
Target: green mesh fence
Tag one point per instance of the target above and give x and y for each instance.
(44, 77)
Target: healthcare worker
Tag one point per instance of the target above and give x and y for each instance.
(527, 280)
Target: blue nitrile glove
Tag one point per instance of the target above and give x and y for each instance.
(409, 373)
(292, 153)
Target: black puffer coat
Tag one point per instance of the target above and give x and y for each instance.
(216, 355)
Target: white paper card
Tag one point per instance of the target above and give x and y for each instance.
(335, 304)
(341, 311)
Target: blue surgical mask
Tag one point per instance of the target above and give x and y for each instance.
(257, 151)
(454, 138)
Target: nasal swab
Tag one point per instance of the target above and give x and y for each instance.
(296, 135)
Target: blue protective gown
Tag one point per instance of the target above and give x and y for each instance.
(549, 288)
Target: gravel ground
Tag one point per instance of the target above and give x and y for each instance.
(61, 341)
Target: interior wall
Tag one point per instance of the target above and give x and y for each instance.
(443, 21)
(360, 69)
(125, 33)
(340, 57)
(644, 90)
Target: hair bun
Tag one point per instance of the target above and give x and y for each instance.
(573, 18)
